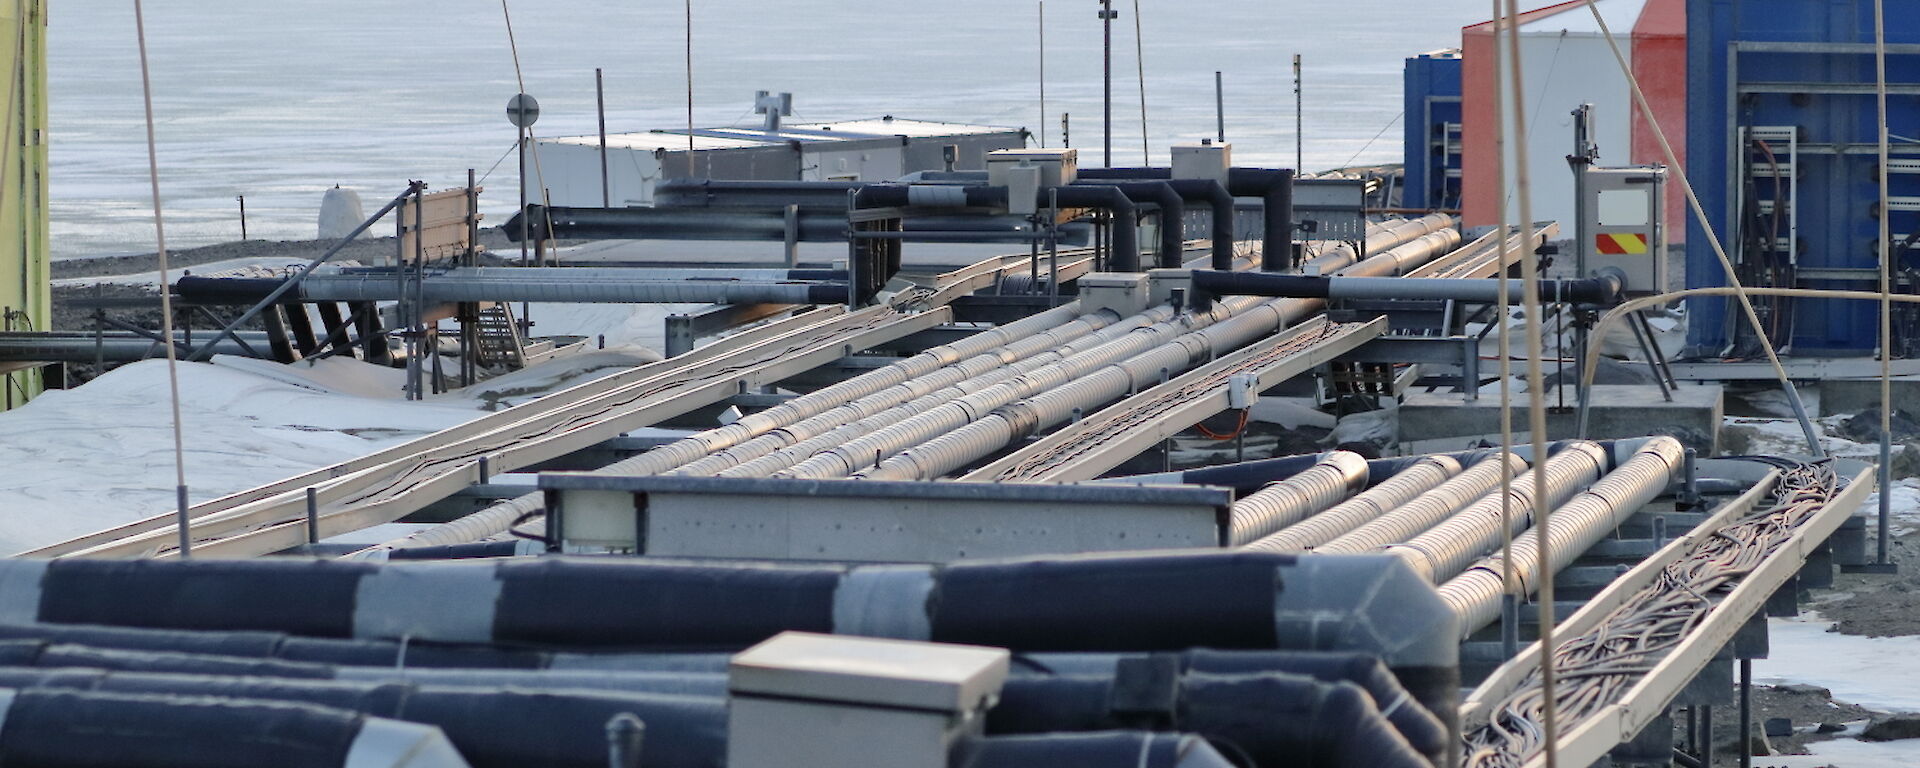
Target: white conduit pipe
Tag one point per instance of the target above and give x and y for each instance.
(1158, 340)
(679, 452)
(1448, 548)
(918, 394)
(784, 448)
(1284, 502)
(967, 441)
(1379, 237)
(1427, 510)
(1577, 525)
(1404, 486)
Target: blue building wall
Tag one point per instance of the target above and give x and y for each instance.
(1827, 95)
(1432, 92)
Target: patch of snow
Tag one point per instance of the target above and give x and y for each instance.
(1773, 402)
(77, 461)
(1873, 672)
(1905, 509)
(1290, 413)
(1850, 753)
(251, 266)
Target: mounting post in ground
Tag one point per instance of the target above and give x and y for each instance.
(243, 216)
(1107, 15)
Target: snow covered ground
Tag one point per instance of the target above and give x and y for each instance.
(77, 461)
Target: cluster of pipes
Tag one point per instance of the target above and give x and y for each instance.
(935, 412)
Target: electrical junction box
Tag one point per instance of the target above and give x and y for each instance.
(803, 700)
(1205, 160)
(1164, 282)
(1123, 292)
(1023, 188)
(1058, 167)
(1620, 214)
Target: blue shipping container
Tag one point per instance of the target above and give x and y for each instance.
(1782, 151)
(1432, 131)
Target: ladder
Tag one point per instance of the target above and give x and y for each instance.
(497, 337)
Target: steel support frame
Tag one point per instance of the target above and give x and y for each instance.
(684, 330)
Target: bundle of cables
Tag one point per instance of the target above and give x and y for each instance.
(1597, 668)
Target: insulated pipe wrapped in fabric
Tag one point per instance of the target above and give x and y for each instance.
(1428, 509)
(73, 728)
(1576, 525)
(1282, 503)
(1146, 602)
(1404, 486)
(1125, 243)
(491, 727)
(1275, 719)
(1453, 544)
(277, 645)
(1114, 749)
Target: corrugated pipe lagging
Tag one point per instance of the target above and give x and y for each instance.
(783, 447)
(1575, 526)
(1337, 476)
(1452, 545)
(1420, 477)
(1428, 509)
(867, 449)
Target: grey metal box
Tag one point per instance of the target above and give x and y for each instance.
(1205, 160)
(1123, 292)
(1057, 166)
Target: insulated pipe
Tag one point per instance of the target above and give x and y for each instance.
(1105, 749)
(70, 728)
(1284, 502)
(1428, 509)
(866, 385)
(790, 445)
(813, 223)
(1422, 476)
(1125, 243)
(1173, 215)
(1577, 525)
(1275, 189)
(770, 195)
(1172, 601)
(540, 284)
(963, 442)
(1380, 237)
(1600, 290)
(1216, 195)
(1455, 543)
(808, 414)
(1156, 344)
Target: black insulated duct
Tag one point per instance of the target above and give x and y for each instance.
(1601, 290)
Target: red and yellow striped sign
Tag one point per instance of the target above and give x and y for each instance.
(1621, 244)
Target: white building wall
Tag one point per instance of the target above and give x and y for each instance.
(1565, 63)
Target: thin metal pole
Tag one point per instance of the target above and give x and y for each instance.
(1219, 109)
(166, 300)
(600, 103)
(1886, 298)
(1106, 81)
(1066, 133)
(1298, 164)
(1140, 67)
(243, 216)
(1746, 713)
(1043, 71)
(1053, 249)
(524, 218)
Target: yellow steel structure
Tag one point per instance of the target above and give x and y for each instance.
(25, 297)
